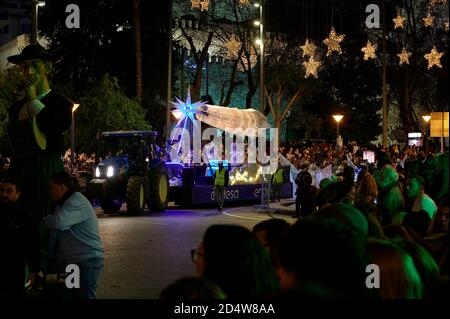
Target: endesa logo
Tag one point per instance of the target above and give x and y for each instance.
(229, 194)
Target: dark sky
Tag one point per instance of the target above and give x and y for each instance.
(314, 18)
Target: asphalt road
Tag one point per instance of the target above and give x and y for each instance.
(146, 253)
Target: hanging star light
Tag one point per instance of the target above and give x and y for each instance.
(203, 5)
(195, 4)
(446, 25)
(404, 56)
(428, 21)
(187, 108)
(309, 48)
(369, 51)
(311, 67)
(332, 42)
(233, 47)
(434, 58)
(398, 21)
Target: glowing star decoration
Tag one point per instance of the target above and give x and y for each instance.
(311, 67)
(233, 47)
(398, 21)
(434, 58)
(309, 48)
(244, 2)
(187, 108)
(203, 5)
(404, 56)
(446, 25)
(333, 41)
(369, 51)
(428, 21)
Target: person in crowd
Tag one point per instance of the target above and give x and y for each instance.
(345, 189)
(425, 264)
(192, 288)
(325, 253)
(269, 233)
(19, 240)
(78, 242)
(419, 222)
(305, 201)
(390, 198)
(415, 190)
(231, 257)
(221, 178)
(399, 278)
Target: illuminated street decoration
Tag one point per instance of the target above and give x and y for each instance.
(245, 176)
(428, 21)
(369, 51)
(309, 48)
(398, 21)
(333, 42)
(446, 25)
(244, 2)
(203, 5)
(187, 108)
(311, 67)
(434, 58)
(233, 47)
(404, 56)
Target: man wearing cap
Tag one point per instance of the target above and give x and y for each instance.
(36, 126)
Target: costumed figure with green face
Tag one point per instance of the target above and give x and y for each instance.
(35, 131)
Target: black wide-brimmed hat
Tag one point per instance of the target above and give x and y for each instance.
(33, 51)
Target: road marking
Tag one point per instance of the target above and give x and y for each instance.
(226, 212)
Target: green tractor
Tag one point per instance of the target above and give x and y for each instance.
(129, 171)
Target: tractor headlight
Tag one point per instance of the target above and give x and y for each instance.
(97, 172)
(110, 171)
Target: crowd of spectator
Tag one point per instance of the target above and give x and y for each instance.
(391, 222)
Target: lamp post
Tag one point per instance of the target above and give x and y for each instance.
(72, 136)
(427, 119)
(34, 19)
(260, 42)
(337, 118)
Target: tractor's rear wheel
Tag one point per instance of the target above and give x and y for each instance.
(158, 195)
(136, 194)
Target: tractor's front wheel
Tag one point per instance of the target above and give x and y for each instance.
(136, 194)
(158, 189)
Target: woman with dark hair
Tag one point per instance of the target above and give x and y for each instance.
(231, 257)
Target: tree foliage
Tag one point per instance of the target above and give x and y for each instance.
(105, 107)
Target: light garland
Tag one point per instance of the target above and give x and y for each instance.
(369, 51)
(428, 20)
(404, 56)
(309, 48)
(311, 67)
(398, 21)
(434, 58)
(333, 41)
(233, 47)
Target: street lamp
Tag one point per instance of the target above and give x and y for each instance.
(72, 136)
(427, 119)
(337, 118)
(260, 42)
(34, 19)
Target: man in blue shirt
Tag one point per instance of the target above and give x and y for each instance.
(77, 235)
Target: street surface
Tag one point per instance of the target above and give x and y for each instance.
(146, 253)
